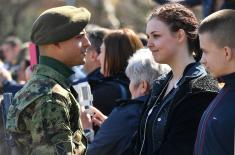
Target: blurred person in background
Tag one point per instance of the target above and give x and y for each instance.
(24, 62)
(208, 6)
(117, 130)
(7, 82)
(2, 58)
(21, 77)
(92, 65)
(143, 37)
(116, 49)
(91, 68)
(11, 50)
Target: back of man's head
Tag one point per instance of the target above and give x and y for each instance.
(96, 37)
(221, 27)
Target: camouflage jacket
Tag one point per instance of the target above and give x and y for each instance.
(44, 117)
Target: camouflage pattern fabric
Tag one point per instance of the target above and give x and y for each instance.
(44, 116)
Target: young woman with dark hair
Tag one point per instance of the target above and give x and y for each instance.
(170, 119)
(116, 49)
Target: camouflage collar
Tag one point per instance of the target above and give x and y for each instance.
(45, 70)
(56, 65)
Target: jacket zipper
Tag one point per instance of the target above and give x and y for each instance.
(149, 113)
(157, 115)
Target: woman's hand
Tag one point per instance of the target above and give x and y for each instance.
(85, 118)
(98, 118)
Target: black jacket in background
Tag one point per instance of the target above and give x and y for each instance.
(107, 90)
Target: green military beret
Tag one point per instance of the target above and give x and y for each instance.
(59, 24)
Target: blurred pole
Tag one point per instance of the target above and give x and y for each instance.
(70, 2)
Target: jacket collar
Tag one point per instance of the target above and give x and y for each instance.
(228, 79)
(141, 99)
(56, 65)
(95, 75)
(47, 71)
(120, 78)
(192, 71)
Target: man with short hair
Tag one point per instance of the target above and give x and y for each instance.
(44, 117)
(216, 130)
(92, 65)
(96, 37)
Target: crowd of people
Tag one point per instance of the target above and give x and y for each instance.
(153, 94)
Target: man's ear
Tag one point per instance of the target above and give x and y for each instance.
(228, 53)
(57, 45)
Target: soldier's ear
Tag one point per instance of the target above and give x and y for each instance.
(57, 46)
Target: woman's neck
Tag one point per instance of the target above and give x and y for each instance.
(178, 67)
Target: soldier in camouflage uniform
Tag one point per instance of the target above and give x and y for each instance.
(44, 117)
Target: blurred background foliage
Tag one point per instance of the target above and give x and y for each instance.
(17, 16)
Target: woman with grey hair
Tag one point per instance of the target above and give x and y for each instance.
(142, 70)
(117, 130)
